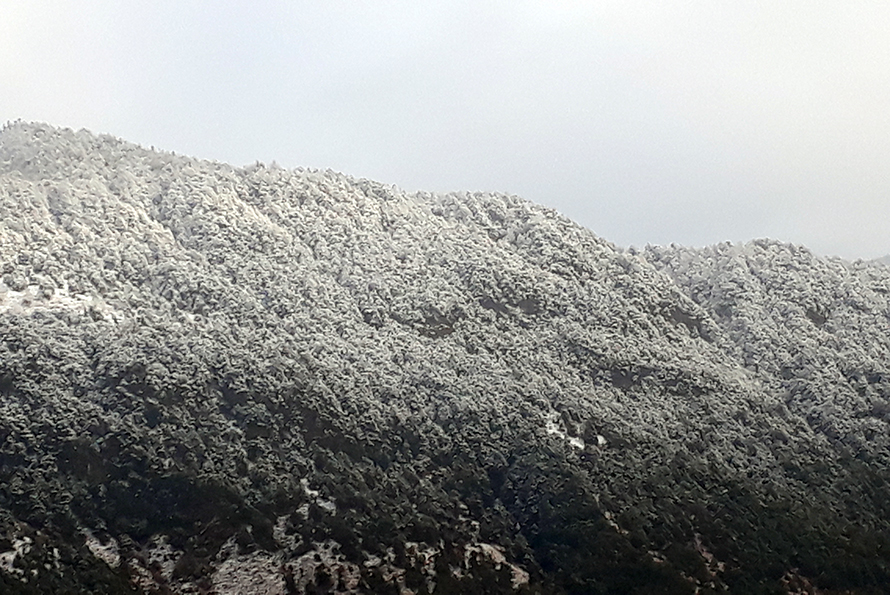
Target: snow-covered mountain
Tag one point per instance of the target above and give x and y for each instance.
(258, 380)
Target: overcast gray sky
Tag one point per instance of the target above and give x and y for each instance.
(687, 121)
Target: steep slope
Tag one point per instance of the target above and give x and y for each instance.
(269, 381)
(816, 332)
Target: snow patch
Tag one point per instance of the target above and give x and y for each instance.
(20, 547)
(252, 574)
(323, 503)
(555, 428)
(108, 553)
(34, 298)
(496, 555)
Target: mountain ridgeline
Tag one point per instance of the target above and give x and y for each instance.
(258, 380)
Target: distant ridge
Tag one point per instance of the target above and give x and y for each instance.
(256, 380)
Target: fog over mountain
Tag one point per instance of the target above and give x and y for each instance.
(257, 380)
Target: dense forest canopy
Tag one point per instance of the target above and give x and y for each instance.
(259, 380)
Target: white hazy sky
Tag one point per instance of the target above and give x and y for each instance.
(687, 121)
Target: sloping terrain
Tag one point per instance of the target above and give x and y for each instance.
(224, 380)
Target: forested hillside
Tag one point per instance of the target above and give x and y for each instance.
(257, 380)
